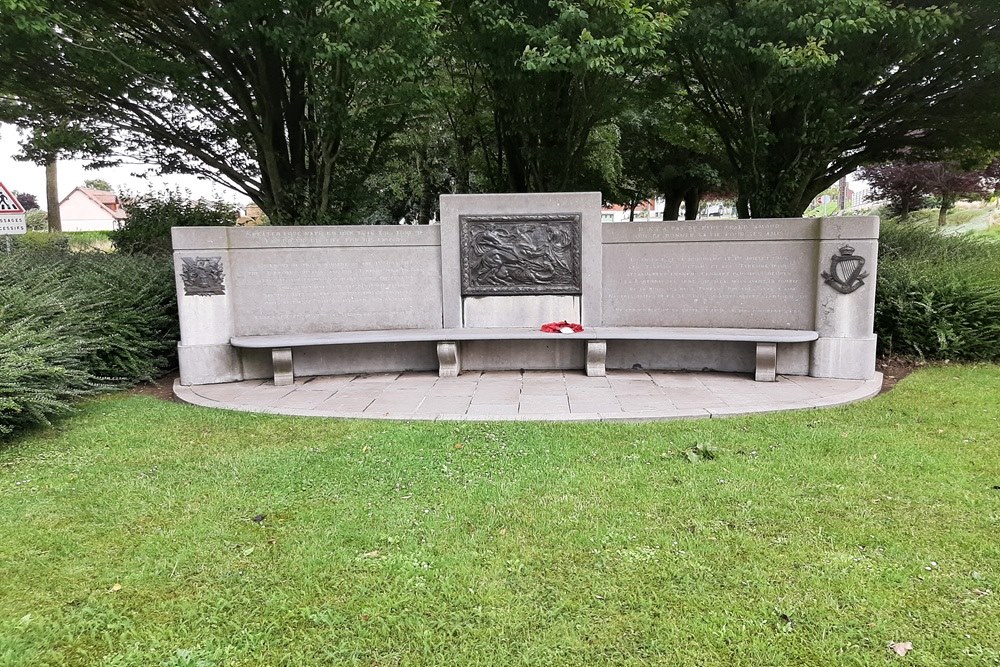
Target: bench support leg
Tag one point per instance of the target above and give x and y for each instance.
(281, 359)
(597, 354)
(767, 362)
(449, 363)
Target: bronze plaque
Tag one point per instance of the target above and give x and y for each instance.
(203, 276)
(506, 255)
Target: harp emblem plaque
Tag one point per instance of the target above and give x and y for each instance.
(846, 271)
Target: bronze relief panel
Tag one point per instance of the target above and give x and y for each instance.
(506, 255)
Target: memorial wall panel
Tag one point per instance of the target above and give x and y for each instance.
(315, 290)
(363, 236)
(687, 231)
(757, 284)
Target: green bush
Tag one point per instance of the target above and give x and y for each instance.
(36, 241)
(938, 297)
(42, 366)
(72, 324)
(37, 220)
(147, 228)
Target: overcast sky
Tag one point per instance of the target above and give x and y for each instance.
(26, 177)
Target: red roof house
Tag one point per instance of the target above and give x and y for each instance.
(88, 210)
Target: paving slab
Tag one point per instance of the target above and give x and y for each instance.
(531, 395)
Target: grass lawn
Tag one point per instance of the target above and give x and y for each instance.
(811, 538)
(956, 216)
(993, 234)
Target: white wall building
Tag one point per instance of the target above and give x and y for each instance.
(88, 210)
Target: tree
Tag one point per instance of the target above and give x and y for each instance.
(949, 183)
(288, 101)
(667, 150)
(533, 79)
(802, 92)
(97, 184)
(52, 195)
(906, 185)
(27, 201)
(900, 183)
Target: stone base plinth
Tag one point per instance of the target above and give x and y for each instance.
(209, 364)
(843, 358)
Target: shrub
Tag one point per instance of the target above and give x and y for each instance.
(72, 324)
(150, 217)
(37, 220)
(42, 365)
(938, 297)
(46, 241)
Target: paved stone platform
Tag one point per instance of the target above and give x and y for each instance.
(531, 395)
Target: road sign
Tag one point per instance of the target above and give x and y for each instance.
(12, 220)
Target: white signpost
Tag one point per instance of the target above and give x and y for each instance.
(11, 213)
(12, 220)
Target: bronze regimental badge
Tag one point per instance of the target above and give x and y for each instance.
(845, 274)
(202, 276)
(520, 254)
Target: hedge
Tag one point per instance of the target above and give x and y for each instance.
(72, 324)
(938, 297)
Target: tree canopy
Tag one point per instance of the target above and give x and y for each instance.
(908, 185)
(803, 92)
(288, 101)
(357, 111)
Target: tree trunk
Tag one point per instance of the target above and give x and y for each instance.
(424, 213)
(672, 206)
(52, 195)
(946, 204)
(692, 202)
(742, 206)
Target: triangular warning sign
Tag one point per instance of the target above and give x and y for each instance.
(8, 202)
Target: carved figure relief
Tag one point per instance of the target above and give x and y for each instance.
(520, 254)
(845, 274)
(203, 276)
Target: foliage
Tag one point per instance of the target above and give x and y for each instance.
(907, 185)
(291, 102)
(938, 297)
(666, 150)
(347, 112)
(419, 166)
(72, 324)
(36, 220)
(42, 241)
(97, 184)
(93, 240)
(151, 215)
(803, 92)
(42, 366)
(900, 183)
(815, 538)
(27, 201)
(530, 81)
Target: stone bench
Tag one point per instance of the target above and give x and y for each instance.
(449, 357)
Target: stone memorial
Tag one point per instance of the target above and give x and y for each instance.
(793, 296)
